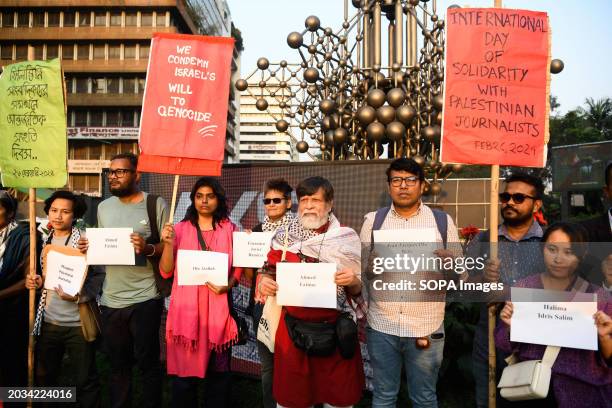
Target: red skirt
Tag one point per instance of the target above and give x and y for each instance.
(301, 381)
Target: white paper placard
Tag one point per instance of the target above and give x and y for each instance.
(199, 267)
(250, 250)
(554, 323)
(426, 235)
(110, 246)
(414, 243)
(306, 284)
(65, 270)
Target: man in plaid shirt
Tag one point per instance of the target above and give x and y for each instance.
(408, 331)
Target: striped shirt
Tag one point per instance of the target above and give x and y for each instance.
(408, 319)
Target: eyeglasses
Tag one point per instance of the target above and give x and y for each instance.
(275, 200)
(518, 198)
(397, 181)
(119, 173)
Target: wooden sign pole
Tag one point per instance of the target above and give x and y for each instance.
(32, 271)
(493, 225)
(173, 203)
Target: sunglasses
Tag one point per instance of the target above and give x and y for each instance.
(518, 198)
(268, 201)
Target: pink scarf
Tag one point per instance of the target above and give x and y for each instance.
(184, 316)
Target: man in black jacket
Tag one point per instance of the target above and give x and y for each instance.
(600, 236)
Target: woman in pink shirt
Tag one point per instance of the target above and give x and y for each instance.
(200, 330)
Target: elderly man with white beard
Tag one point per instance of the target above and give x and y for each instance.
(304, 377)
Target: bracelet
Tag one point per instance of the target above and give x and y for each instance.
(153, 253)
(77, 298)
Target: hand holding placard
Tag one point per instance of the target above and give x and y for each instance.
(110, 246)
(196, 268)
(251, 250)
(306, 284)
(65, 267)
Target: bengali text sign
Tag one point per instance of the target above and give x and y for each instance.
(33, 125)
(496, 87)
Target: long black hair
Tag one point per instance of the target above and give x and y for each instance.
(220, 213)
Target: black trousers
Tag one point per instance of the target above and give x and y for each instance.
(14, 344)
(131, 334)
(53, 342)
(217, 386)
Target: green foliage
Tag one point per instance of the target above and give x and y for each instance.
(591, 123)
(237, 34)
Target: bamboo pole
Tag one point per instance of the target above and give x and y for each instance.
(173, 202)
(494, 221)
(32, 271)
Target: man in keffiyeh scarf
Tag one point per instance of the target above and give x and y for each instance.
(316, 235)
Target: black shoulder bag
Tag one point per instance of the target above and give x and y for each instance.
(241, 324)
(164, 286)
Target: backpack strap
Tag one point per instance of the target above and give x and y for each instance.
(379, 218)
(442, 224)
(164, 286)
(152, 214)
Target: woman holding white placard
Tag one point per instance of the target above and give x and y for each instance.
(200, 329)
(579, 377)
(59, 319)
(277, 205)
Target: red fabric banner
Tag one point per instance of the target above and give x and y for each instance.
(496, 97)
(184, 111)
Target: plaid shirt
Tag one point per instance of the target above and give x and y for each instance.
(408, 319)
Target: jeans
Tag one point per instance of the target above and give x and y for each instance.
(267, 374)
(132, 334)
(422, 365)
(53, 342)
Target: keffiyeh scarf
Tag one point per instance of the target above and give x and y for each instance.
(73, 241)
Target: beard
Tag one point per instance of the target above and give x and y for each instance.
(312, 221)
(121, 191)
(514, 217)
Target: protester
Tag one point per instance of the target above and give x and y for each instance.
(599, 269)
(579, 377)
(59, 331)
(336, 377)
(131, 305)
(14, 266)
(277, 204)
(519, 255)
(200, 329)
(408, 332)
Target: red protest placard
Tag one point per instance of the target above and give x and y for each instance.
(184, 112)
(496, 97)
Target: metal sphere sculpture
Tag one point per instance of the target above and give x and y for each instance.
(356, 104)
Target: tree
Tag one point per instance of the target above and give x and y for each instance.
(598, 115)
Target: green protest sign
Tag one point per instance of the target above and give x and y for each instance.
(33, 139)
